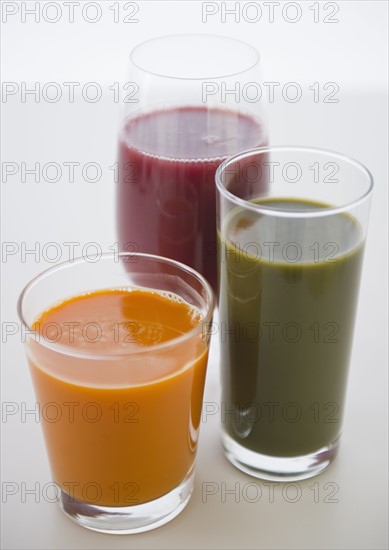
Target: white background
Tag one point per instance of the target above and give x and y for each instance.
(351, 53)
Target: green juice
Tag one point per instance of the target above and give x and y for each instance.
(287, 304)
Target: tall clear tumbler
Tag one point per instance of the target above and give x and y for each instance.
(290, 260)
(191, 101)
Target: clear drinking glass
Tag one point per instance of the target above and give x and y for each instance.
(290, 260)
(192, 101)
(121, 426)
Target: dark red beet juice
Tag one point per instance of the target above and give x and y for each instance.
(166, 192)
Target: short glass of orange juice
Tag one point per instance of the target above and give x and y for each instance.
(118, 348)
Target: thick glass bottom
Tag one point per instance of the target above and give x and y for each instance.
(129, 519)
(275, 468)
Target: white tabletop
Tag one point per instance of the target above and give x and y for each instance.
(346, 506)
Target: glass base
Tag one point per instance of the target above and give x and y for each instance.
(275, 468)
(125, 520)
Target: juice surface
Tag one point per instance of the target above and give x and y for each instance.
(288, 288)
(166, 193)
(132, 438)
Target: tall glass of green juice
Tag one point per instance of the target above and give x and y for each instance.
(289, 271)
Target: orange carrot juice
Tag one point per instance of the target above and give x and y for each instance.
(120, 395)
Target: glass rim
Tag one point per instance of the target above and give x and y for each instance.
(282, 212)
(136, 49)
(71, 351)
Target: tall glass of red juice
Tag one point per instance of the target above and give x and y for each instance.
(191, 101)
(118, 354)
